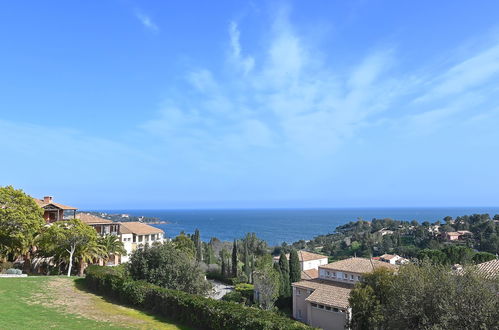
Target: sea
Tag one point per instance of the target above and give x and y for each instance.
(286, 225)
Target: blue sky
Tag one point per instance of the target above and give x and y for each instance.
(195, 104)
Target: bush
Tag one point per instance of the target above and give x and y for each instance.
(197, 311)
(5, 265)
(235, 296)
(246, 290)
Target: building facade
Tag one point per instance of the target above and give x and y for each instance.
(323, 302)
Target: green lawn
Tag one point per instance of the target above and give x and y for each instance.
(57, 303)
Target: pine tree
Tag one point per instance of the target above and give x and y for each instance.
(294, 267)
(285, 291)
(234, 259)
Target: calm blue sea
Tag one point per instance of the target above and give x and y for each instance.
(286, 225)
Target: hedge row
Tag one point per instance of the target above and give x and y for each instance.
(196, 311)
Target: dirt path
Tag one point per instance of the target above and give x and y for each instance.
(62, 293)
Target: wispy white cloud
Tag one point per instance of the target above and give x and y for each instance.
(146, 21)
(286, 99)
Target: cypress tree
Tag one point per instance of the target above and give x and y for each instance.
(294, 267)
(234, 259)
(197, 243)
(247, 266)
(285, 290)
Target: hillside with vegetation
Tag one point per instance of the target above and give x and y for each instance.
(412, 239)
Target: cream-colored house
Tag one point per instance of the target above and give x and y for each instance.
(137, 234)
(323, 302)
(309, 263)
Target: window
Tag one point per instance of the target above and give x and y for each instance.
(335, 310)
(358, 278)
(351, 277)
(334, 274)
(298, 292)
(321, 306)
(140, 238)
(327, 273)
(345, 276)
(314, 305)
(328, 308)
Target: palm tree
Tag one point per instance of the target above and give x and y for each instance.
(89, 253)
(111, 246)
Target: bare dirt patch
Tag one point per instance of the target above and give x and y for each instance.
(61, 293)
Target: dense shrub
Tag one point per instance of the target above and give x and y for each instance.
(197, 311)
(167, 266)
(5, 265)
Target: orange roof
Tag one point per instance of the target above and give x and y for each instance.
(309, 274)
(90, 219)
(43, 204)
(330, 293)
(138, 228)
(358, 265)
(307, 256)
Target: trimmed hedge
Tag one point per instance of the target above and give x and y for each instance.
(197, 311)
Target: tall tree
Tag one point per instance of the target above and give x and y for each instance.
(167, 266)
(185, 244)
(73, 237)
(266, 280)
(234, 259)
(20, 222)
(196, 238)
(294, 267)
(285, 288)
(246, 259)
(111, 246)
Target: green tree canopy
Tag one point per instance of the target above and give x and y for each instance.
(21, 219)
(167, 266)
(185, 244)
(70, 239)
(294, 266)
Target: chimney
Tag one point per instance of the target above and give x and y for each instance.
(47, 199)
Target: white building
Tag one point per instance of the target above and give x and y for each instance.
(137, 234)
(323, 302)
(309, 263)
(393, 259)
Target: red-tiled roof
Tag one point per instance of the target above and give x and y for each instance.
(358, 265)
(43, 204)
(138, 228)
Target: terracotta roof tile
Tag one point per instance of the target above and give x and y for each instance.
(309, 274)
(358, 265)
(41, 203)
(307, 256)
(328, 293)
(138, 228)
(90, 219)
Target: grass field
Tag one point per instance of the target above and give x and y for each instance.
(59, 303)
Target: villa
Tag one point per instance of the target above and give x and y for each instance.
(137, 234)
(323, 302)
(309, 263)
(456, 235)
(54, 211)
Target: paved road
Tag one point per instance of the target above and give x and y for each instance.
(219, 289)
